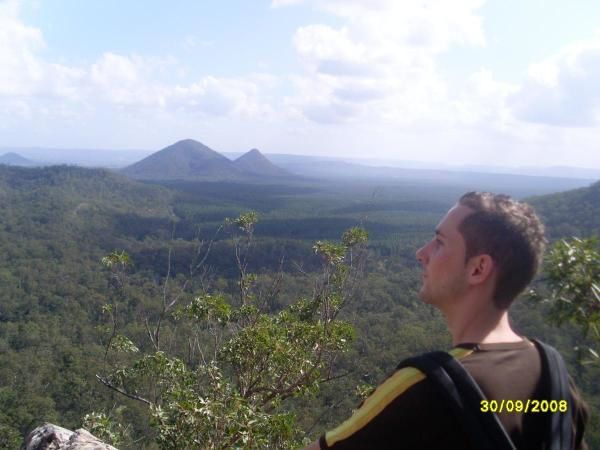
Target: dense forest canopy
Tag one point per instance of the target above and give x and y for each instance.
(572, 213)
(57, 224)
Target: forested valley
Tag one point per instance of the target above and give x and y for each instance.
(167, 291)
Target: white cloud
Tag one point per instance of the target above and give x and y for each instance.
(483, 100)
(127, 81)
(30, 85)
(220, 97)
(428, 25)
(321, 44)
(18, 46)
(378, 67)
(130, 82)
(114, 69)
(381, 63)
(25, 75)
(563, 90)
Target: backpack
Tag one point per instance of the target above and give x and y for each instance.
(464, 396)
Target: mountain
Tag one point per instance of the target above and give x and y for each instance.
(254, 162)
(14, 159)
(571, 213)
(193, 161)
(184, 160)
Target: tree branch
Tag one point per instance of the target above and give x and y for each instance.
(109, 385)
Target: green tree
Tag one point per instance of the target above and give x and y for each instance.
(243, 361)
(572, 275)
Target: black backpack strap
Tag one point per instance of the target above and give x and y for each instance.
(464, 396)
(561, 424)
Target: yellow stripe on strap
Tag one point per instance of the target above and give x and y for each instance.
(385, 393)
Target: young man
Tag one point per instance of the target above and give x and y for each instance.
(485, 251)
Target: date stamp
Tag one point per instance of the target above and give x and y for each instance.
(524, 406)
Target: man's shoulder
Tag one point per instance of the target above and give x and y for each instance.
(380, 405)
(407, 381)
(404, 406)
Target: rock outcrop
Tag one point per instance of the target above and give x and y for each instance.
(53, 437)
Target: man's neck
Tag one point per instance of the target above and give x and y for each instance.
(472, 323)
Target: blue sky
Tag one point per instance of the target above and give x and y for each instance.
(500, 82)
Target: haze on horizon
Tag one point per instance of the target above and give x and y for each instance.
(502, 83)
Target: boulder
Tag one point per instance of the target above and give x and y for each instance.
(53, 437)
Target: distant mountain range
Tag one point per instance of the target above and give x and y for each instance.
(14, 159)
(310, 165)
(192, 160)
(254, 166)
(516, 185)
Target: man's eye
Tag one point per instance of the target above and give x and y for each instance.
(438, 242)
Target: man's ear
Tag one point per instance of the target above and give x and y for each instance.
(480, 268)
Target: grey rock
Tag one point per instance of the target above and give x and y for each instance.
(53, 437)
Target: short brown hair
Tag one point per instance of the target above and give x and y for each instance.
(510, 233)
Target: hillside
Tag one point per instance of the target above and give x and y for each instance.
(14, 159)
(72, 186)
(571, 213)
(184, 160)
(56, 223)
(254, 162)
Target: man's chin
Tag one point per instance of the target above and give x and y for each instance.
(426, 297)
(423, 296)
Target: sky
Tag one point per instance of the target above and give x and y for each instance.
(497, 82)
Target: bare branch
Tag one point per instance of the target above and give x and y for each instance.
(206, 253)
(276, 285)
(330, 378)
(109, 385)
(300, 269)
(150, 334)
(168, 276)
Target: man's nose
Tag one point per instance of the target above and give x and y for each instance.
(420, 254)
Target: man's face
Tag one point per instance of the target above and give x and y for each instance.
(444, 274)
